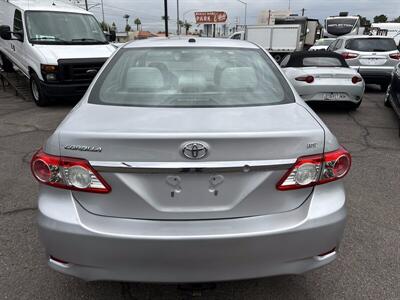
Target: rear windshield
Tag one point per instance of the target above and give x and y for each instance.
(371, 44)
(191, 77)
(322, 62)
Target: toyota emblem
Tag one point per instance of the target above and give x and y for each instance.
(195, 150)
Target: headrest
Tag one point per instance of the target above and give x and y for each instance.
(192, 82)
(238, 78)
(144, 78)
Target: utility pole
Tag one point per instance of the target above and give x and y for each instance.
(302, 11)
(245, 12)
(86, 5)
(102, 10)
(166, 17)
(178, 28)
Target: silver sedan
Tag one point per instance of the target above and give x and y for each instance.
(190, 160)
(324, 76)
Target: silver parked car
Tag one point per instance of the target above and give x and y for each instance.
(190, 160)
(374, 57)
(324, 76)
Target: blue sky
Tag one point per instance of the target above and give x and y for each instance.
(150, 11)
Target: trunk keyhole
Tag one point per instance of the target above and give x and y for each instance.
(175, 183)
(215, 181)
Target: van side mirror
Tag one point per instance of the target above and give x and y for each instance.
(5, 32)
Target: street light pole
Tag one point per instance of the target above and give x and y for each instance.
(178, 28)
(245, 12)
(166, 17)
(102, 10)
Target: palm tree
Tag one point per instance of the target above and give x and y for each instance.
(180, 24)
(126, 17)
(137, 23)
(187, 26)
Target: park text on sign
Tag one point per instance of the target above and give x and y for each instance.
(211, 17)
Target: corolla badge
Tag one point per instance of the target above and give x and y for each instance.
(194, 150)
(83, 148)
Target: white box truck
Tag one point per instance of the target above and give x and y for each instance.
(59, 47)
(278, 40)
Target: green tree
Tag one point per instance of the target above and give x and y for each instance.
(104, 26)
(180, 24)
(380, 19)
(113, 26)
(397, 20)
(187, 26)
(364, 22)
(137, 23)
(127, 27)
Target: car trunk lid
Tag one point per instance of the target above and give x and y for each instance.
(250, 149)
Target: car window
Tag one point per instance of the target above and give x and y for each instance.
(321, 62)
(285, 61)
(324, 42)
(18, 25)
(191, 77)
(371, 44)
(47, 27)
(332, 46)
(338, 44)
(236, 36)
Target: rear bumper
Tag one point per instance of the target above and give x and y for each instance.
(349, 92)
(103, 248)
(376, 74)
(74, 91)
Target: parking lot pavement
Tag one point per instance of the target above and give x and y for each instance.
(368, 266)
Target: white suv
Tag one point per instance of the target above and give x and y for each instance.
(373, 56)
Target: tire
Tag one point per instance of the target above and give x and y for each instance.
(6, 64)
(37, 92)
(384, 87)
(354, 106)
(387, 98)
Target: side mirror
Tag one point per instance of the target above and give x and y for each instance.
(5, 32)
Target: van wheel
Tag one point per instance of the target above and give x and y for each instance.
(6, 64)
(37, 94)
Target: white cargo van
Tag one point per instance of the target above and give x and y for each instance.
(59, 47)
(278, 40)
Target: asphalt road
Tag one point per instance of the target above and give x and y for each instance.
(368, 266)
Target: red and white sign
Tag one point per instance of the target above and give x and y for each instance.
(211, 17)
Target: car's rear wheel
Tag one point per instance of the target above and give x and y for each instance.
(388, 99)
(6, 64)
(37, 92)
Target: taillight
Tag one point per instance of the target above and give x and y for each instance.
(308, 79)
(67, 173)
(316, 169)
(349, 55)
(395, 56)
(356, 79)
